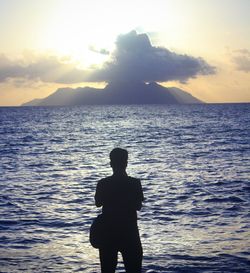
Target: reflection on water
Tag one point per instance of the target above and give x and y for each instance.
(194, 166)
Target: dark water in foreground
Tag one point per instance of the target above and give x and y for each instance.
(194, 166)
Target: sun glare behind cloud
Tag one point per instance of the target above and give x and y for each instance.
(75, 27)
(71, 31)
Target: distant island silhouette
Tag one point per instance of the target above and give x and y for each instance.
(117, 93)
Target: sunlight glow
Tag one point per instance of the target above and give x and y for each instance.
(74, 28)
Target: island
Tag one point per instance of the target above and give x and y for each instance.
(116, 93)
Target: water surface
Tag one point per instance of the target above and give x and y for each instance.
(193, 162)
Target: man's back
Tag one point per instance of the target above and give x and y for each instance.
(120, 197)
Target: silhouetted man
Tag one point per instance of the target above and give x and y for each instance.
(120, 197)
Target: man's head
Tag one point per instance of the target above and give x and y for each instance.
(118, 159)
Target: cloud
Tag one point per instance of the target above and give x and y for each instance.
(242, 60)
(136, 59)
(102, 51)
(42, 68)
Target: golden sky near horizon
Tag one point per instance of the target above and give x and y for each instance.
(57, 43)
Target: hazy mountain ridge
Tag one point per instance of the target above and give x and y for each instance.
(33, 102)
(117, 93)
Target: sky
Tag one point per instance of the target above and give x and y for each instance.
(202, 47)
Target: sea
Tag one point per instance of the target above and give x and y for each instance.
(194, 166)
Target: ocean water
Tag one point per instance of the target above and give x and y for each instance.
(193, 161)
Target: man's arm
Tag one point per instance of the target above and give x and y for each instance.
(140, 196)
(99, 195)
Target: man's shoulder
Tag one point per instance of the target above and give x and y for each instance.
(111, 179)
(104, 180)
(134, 180)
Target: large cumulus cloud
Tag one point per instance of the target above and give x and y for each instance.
(136, 59)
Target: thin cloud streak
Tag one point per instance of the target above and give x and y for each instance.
(242, 60)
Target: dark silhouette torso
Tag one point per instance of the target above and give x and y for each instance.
(120, 197)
